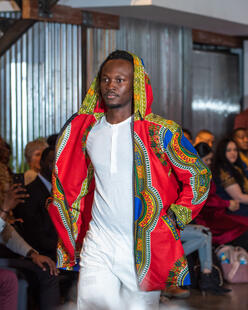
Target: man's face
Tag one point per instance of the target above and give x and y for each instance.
(35, 159)
(241, 138)
(116, 83)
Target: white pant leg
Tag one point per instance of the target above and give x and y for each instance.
(98, 289)
(140, 300)
(98, 286)
(132, 297)
(108, 279)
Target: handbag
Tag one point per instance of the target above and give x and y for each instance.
(234, 263)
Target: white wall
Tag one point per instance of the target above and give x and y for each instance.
(228, 10)
(235, 11)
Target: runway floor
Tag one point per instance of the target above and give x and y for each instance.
(237, 299)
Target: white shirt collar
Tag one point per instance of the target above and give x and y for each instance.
(46, 183)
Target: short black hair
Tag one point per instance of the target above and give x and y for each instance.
(203, 149)
(46, 152)
(237, 130)
(51, 140)
(118, 54)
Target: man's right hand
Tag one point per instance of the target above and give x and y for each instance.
(15, 195)
(42, 261)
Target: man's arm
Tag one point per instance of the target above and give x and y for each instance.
(193, 176)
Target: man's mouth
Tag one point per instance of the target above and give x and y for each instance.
(110, 95)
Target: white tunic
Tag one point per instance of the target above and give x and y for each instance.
(108, 277)
(110, 149)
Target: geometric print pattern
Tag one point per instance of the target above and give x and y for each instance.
(171, 227)
(148, 205)
(179, 273)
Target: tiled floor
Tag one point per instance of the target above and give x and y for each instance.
(235, 300)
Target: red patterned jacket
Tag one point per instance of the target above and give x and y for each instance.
(169, 177)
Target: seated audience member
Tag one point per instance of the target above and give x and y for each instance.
(241, 120)
(217, 213)
(33, 151)
(40, 270)
(8, 279)
(240, 136)
(37, 227)
(188, 135)
(5, 172)
(198, 238)
(205, 136)
(229, 176)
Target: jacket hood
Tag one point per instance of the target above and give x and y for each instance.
(142, 93)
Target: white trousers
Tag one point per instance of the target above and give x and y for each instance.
(107, 279)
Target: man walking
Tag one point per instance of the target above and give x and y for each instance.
(125, 182)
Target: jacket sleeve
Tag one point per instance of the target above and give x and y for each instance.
(60, 214)
(193, 176)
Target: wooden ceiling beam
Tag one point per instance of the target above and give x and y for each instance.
(67, 15)
(13, 33)
(210, 38)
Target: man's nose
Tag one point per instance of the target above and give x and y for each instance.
(111, 84)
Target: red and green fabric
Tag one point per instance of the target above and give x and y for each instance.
(169, 175)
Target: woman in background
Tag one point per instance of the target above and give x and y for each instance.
(219, 214)
(229, 175)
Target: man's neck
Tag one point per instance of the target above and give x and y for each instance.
(115, 116)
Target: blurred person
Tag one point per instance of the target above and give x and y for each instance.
(218, 214)
(5, 172)
(8, 279)
(229, 175)
(199, 238)
(37, 227)
(114, 152)
(240, 136)
(188, 135)
(40, 270)
(205, 136)
(33, 151)
(5, 152)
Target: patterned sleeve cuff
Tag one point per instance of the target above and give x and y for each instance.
(183, 215)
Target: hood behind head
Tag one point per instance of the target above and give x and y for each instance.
(142, 93)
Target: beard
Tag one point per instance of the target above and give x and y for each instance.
(114, 106)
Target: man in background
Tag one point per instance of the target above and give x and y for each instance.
(205, 136)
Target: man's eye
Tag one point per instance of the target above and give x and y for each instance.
(120, 80)
(105, 80)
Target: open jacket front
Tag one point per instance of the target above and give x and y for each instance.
(169, 176)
